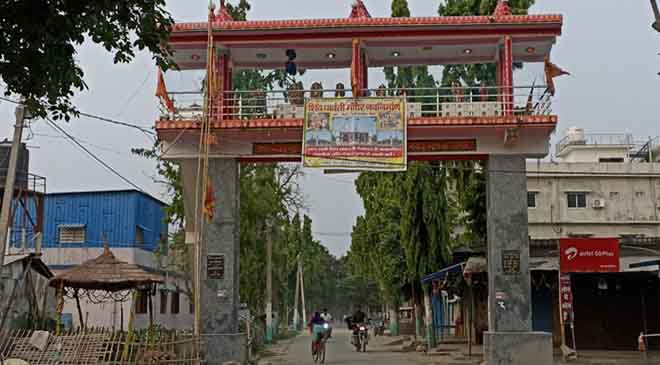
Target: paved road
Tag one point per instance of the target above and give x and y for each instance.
(340, 351)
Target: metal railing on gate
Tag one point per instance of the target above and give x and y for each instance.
(421, 102)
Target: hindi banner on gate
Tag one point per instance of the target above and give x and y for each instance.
(355, 134)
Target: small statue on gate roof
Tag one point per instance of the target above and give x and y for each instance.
(222, 14)
(502, 8)
(359, 10)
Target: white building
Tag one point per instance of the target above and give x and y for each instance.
(601, 185)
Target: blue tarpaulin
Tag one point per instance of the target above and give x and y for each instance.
(439, 275)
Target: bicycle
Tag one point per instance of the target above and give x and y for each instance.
(319, 346)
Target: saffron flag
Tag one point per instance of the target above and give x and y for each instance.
(209, 200)
(161, 92)
(552, 71)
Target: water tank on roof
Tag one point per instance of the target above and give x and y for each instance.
(575, 136)
(22, 167)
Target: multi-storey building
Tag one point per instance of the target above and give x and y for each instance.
(601, 185)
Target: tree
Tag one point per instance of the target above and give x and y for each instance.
(39, 40)
(479, 74)
(468, 177)
(410, 77)
(425, 224)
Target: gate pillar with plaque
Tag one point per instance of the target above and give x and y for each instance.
(510, 339)
(221, 340)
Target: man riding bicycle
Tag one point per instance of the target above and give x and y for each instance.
(318, 327)
(327, 317)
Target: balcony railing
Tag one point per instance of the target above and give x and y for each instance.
(596, 139)
(421, 102)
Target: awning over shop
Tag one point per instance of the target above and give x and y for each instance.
(627, 264)
(439, 275)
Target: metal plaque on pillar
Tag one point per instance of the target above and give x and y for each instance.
(215, 266)
(511, 262)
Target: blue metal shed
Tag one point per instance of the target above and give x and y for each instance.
(125, 218)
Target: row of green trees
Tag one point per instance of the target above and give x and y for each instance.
(409, 227)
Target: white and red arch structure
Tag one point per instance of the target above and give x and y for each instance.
(501, 124)
(448, 126)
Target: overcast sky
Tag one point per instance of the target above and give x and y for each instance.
(607, 45)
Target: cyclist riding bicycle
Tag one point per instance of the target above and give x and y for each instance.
(317, 326)
(327, 317)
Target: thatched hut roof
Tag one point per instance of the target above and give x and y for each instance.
(105, 273)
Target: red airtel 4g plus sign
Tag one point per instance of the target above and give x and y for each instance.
(589, 254)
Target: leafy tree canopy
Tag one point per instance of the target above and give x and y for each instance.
(480, 74)
(39, 40)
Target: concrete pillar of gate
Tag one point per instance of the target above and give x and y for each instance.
(510, 339)
(220, 302)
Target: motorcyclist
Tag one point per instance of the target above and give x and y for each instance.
(357, 319)
(359, 316)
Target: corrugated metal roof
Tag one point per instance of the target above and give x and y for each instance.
(108, 191)
(35, 262)
(113, 216)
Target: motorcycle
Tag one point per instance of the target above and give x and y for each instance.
(360, 337)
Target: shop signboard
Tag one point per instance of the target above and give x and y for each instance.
(589, 255)
(566, 298)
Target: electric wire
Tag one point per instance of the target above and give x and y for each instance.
(133, 95)
(99, 147)
(92, 155)
(142, 129)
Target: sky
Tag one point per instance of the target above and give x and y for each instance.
(607, 45)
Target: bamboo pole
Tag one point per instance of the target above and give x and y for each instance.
(59, 308)
(80, 314)
(129, 335)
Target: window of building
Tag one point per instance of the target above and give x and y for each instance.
(531, 199)
(611, 160)
(175, 303)
(163, 301)
(139, 236)
(142, 305)
(639, 194)
(576, 199)
(72, 234)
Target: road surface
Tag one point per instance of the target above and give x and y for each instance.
(340, 351)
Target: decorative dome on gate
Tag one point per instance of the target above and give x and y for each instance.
(359, 10)
(502, 8)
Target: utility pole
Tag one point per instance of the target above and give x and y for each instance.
(8, 195)
(269, 285)
(296, 314)
(300, 269)
(302, 292)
